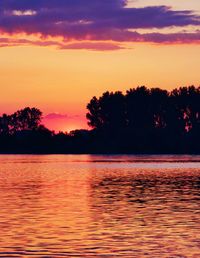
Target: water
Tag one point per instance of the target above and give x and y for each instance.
(99, 206)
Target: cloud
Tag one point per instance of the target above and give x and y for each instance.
(89, 21)
(95, 46)
(60, 116)
(158, 38)
(98, 46)
(173, 38)
(56, 116)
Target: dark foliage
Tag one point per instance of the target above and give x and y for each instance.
(140, 121)
(147, 121)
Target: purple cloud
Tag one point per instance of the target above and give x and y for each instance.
(96, 46)
(56, 116)
(60, 116)
(93, 20)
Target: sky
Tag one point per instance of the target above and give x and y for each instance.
(56, 55)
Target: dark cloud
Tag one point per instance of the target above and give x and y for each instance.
(93, 20)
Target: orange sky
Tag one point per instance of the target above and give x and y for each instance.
(62, 81)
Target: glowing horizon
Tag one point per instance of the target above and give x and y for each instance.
(58, 62)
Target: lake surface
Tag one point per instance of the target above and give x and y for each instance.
(99, 206)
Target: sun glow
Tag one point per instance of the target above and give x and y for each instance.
(59, 63)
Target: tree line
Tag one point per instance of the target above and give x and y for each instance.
(141, 120)
(148, 120)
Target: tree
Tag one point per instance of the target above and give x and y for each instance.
(107, 112)
(21, 120)
(94, 115)
(26, 119)
(5, 124)
(138, 108)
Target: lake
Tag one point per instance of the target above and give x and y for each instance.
(99, 206)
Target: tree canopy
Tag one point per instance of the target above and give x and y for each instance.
(145, 119)
(24, 119)
(145, 109)
(141, 120)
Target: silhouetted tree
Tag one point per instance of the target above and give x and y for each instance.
(5, 124)
(138, 108)
(153, 120)
(94, 115)
(24, 119)
(27, 119)
(159, 103)
(107, 112)
(140, 121)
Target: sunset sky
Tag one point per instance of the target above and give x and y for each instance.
(57, 54)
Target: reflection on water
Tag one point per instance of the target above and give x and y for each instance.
(100, 206)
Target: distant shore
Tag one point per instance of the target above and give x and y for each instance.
(141, 121)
